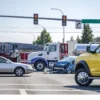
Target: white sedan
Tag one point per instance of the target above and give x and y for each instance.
(7, 66)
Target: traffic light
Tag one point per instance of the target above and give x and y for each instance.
(64, 18)
(35, 18)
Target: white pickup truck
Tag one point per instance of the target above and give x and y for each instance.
(51, 53)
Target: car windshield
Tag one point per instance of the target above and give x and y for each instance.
(7, 59)
(93, 47)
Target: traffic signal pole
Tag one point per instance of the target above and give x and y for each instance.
(43, 18)
(63, 34)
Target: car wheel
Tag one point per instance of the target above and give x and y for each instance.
(19, 71)
(40, 66)
(82, 78)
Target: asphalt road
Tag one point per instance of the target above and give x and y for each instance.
(39, 83)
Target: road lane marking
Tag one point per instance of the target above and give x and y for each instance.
(36, 84)
(22, 92)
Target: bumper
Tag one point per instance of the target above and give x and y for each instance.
(58, 68)
(32, 65)
(29, 71)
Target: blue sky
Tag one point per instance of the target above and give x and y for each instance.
(74, 9)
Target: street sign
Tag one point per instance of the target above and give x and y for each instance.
(94, 21)
(78, 25)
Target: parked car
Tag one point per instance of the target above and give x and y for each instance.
(7, 66)
(65, 65)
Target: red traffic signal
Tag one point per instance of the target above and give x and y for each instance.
(64, 19)
(35, 18)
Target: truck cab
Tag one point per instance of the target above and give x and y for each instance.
(51, 53)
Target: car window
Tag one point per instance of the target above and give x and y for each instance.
(52, 48)
(98, 50)
(2, 60)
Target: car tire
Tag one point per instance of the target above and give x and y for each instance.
(82, 78)
(39, 66)
(19, 71)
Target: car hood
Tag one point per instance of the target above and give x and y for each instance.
(85, 54)
(61, 63)
(35, 54)
(20, 64)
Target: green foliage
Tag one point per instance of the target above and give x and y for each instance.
(43, 38)
(87, 35)
(78, 39)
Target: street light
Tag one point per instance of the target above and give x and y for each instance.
(63, 26)
(42, 26)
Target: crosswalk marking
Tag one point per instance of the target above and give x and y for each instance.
(22, 92)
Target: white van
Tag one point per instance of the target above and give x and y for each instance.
(81, 48)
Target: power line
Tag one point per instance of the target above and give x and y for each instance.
(33, 27)
(40, 27)
(39, 32)
(33, 32)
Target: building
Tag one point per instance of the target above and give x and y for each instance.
(71, 46)
(7, 47)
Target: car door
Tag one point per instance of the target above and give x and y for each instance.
(5, 66)
(95, 68)
(52, 54)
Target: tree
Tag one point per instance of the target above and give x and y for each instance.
(78, 39)
(87, 35)
(71, 39)
(43, 38)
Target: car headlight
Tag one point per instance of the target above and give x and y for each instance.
(29, 66)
